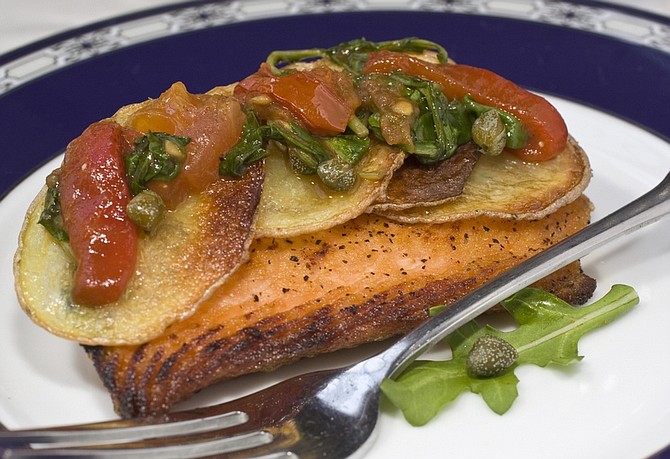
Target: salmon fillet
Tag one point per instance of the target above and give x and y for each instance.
(362, 281)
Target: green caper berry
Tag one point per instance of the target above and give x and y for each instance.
(488, 131)
(146, 210)
(336, 174)
(490, 356)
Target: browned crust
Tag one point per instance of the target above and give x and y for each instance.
(207, 348)
(190, 254)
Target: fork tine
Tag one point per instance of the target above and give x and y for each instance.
(121, 431)
(182, 450)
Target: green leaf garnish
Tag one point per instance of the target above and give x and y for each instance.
(250, 148)
(308, 154)
(157, 156)
(353, 54)
(349, 148)
(440, 126)
(296, 138)
(548, 333)
(51, 217)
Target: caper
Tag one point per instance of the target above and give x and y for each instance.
(490, 356)
(488, 131)
(336, 174)
(146, 210)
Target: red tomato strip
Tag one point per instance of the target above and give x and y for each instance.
(547, 131)
(94, 194)
(310, 98)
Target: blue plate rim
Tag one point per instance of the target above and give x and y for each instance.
(24, 51)
(69, 47)
(326, 6)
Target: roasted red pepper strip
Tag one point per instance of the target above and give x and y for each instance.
(547, 131)
(311, 98)
(94, 194)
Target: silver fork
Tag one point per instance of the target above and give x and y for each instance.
(330, 413)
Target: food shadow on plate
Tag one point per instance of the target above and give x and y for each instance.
(56, 360)
(238, 387)
(247, 384)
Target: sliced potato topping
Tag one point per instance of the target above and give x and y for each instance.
(294, 204)
(507, 187)
(192, 246)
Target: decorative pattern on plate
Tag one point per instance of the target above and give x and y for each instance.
(626, 26)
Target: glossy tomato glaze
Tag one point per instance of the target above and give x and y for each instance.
(212, 122)
(322, 98)
(548, 133)
(94, 194)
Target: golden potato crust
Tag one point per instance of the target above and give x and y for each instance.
(198, 245)
(506, 187)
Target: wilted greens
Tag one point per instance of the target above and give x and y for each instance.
(548, 333)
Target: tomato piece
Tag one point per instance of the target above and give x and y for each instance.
(212, 122)
(94, 194)
(547, 131)
(313, 96)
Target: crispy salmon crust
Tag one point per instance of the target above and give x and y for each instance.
(362, 281)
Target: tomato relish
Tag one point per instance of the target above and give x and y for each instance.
(94, 191)
(322, 98)
(213, 124)
(548, 133)
(93, 185)
(94, 194)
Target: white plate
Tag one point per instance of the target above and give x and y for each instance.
(614, 403)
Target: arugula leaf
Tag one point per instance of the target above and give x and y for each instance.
(250, 148)
(51, 217)
(353, 54)
(548, 332)
(157, 156)
(349, 148)
(295, 137)
(439, 127)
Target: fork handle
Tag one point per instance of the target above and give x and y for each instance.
(647, 209)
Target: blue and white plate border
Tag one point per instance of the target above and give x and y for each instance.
(621, 23)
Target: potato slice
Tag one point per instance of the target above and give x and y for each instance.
(196, 246)
(292, 204)
(504, 186)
